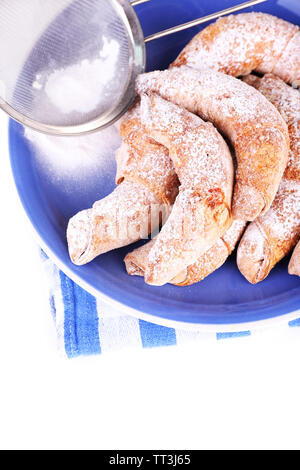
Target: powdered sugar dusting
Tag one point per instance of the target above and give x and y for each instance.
(215, 256)
(251, 250)
(288, 67)
(69, 158)
(255, 128)
(200, 155)
(294, 264)
(283, 218)
(238, 44)
(79, 233)
(271, 237)
(140, 158)
(130, 200)
(233, 234)
(287, 100)
(204, 165)
(214, 96)
(121, 218)
(173, 251)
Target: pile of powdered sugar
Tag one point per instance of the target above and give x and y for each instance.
(81, 91)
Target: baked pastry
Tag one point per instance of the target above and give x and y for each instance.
(147, 188)
(203, 163)
(294, 264)
(213, 258)
(271, 236)
(255, 128)
(137, 261)
(240, 44)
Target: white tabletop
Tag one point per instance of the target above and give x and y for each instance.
(241, 393)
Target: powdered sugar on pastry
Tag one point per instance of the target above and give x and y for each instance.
(271, 236)
(147, 188)
(256, 129)
(283, 217)
(138, 260)
(288, 66)
(121, 218)
(142, 159)
(204, 166)
(294, 264)
(239, 44)
(213, 258)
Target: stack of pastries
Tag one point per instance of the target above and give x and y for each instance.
(210, 158)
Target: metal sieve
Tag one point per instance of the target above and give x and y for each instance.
(68, 67)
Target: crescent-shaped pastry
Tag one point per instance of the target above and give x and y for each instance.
(137, 261)
(255, 128)
(147, 188)
(271, 236)
(240, 44)
(294, 264)
(201, 212)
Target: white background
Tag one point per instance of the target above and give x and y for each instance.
(236, 394)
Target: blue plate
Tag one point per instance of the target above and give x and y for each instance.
(225, 297)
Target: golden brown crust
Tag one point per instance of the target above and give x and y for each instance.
(287, 100)
(211, 260)
(201, 212)
(141, 159)
(131, 121)
(239, 44)
(288, 66)
(294, 264)
(268, 239)
(251, 41)
(137, 261)
(215, 257)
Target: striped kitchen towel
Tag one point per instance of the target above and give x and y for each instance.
(87, 326)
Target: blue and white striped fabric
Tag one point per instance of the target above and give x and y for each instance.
(86, 326)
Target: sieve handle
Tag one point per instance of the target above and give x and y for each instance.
(134, 3)
(204, 19)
